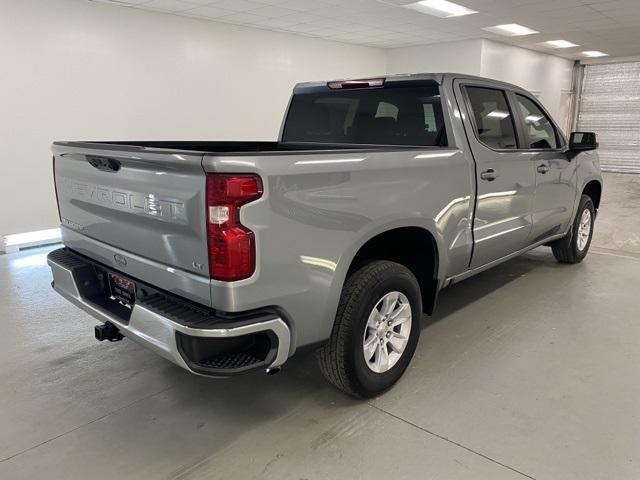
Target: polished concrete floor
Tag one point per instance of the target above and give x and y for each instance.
(530, 370)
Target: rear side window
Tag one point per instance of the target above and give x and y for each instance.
(539, 131)
(373, 116)
(493, 119)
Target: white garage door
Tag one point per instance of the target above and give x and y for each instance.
(610, 106)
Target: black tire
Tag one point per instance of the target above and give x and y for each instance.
(567, 249)
(341, 358)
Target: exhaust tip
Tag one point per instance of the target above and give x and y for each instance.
(273, 371)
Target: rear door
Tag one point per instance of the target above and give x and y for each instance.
(543, 146)
(149, 202)
(505, 178)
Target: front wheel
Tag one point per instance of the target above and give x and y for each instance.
(376, 330)
(574, 247)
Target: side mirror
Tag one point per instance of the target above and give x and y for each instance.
(582, 141)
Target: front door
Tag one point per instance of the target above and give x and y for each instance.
(505, 177)
(543, 146)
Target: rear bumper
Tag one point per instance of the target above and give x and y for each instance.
(197, 340)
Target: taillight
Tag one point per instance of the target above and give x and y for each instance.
(232, 248)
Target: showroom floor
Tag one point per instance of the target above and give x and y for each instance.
(530, 370)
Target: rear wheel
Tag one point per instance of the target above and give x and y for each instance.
(574, 247)
(376, 330)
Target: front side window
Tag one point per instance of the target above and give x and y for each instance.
(393, 115)
(493, 119)
(539, 131)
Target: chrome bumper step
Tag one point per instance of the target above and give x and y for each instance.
(157, 320)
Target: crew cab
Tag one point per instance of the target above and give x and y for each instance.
(227, 257)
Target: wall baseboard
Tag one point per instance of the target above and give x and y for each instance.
(18, 241)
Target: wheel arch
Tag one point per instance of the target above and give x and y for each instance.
(593, 189)
(415, 247)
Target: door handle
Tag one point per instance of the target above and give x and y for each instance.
(489, 175)
(542, 169)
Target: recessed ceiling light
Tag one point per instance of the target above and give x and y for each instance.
(440, 8)
(559, 44)
(511, 30)
(499, 114)
(533, 118)
(594, 53)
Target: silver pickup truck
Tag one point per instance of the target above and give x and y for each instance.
(227, 257)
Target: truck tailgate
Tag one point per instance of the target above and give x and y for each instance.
(147, 202)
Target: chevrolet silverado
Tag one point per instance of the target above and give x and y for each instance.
(227, 257)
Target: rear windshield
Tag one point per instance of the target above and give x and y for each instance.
(380, 116)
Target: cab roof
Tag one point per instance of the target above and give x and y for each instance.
(423, 78)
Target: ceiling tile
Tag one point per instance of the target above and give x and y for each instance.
(208, 12)
(608, 25)
(242, 17)
(237, 5)
(126, 3)
(303, 5)
(170, 5)
(274, 23)
(272, 11)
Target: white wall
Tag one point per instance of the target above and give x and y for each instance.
(548, 76)
(459, 57)
(74, 69)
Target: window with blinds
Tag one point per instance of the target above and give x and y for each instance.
(610, 106)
